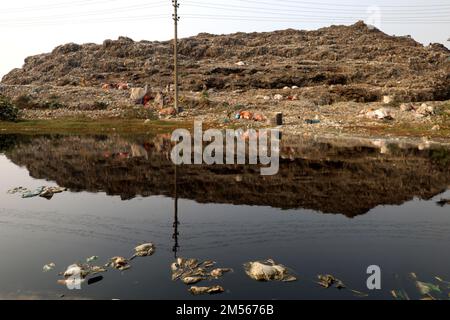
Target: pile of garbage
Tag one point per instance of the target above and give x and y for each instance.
(380, 114)
(118, 86)
(422, 111)
(43, 192)
(322, 60)
(191, 271)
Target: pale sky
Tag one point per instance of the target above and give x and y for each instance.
(29, 27)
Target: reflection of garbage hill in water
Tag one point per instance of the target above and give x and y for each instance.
(331, 177)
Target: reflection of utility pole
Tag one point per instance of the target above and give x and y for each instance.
(176, 222)
(176, 18)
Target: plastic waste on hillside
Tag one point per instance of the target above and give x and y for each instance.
(278, 97)
(328, 281)
(137, 94)
(247, 115)
(268, 270)
(400, 295)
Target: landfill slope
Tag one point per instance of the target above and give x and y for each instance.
(337, 63)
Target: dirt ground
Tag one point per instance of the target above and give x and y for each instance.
(256, 109)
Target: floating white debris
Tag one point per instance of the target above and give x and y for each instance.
(191, 280)
(144, 250)
(268, 271)
(119, 263)
(49, 267)
(206, 290)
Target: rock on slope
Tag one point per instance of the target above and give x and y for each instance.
(354, 62)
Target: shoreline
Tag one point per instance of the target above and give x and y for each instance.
(134, 127)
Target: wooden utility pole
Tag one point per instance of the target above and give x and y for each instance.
(176, 222)
(176, 18)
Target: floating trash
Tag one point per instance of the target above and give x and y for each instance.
(96, 269)
(144, 250)
(208, 264)
(92, 259)
(442, 281)
(75, 270)
(206, 290)
(32, 194)
(443, 202)
(49, 267)
(44, 192)
(191, 280)
(328, 281)
(427, 288)
(219, 272)
(18, 190)
(268, 271)
(49, 192)
(95, 280)
(119, 263)
(428, 298)
(76, 274)
(399, 295)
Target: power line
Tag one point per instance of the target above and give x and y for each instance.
(75, 21)
(336, 4)
(265, 6)
(92, 13)
(55, 6)
(302, 19)
(305, 13)
(256, 13)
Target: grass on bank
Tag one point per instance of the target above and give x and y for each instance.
(84, 126)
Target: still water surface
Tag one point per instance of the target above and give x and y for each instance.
(331, 210)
